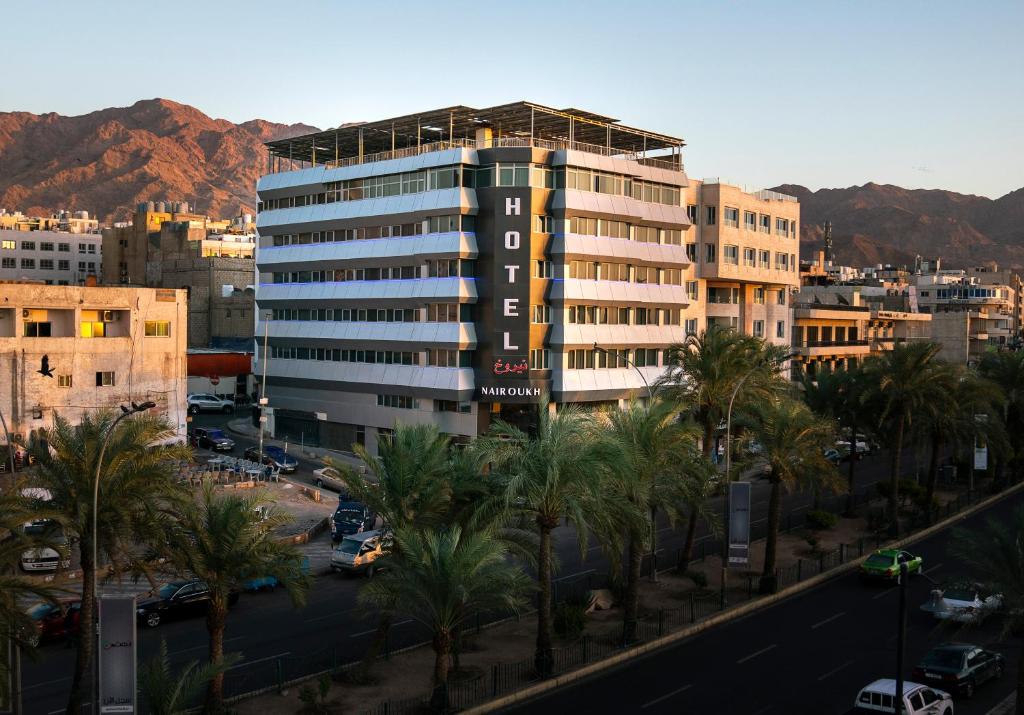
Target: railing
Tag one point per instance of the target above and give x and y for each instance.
(830, 343)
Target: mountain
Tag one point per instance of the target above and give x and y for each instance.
(105, 162)
(880, 223)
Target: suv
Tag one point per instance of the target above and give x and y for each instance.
(274, 456)
(212, 438)
(351, 517)
(176, 599)
(209, 403)
(359, 553)
(878, 697)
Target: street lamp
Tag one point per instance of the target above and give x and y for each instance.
(263, 385)
(728, 477)
(650, 393)
(125, 412)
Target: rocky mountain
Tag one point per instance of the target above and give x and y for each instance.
(107, 161)
(879, 223)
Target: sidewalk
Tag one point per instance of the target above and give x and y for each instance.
(244, 428)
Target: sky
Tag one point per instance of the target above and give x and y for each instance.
(823, 93)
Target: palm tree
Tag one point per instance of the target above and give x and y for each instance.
(996, 553)
(225, 539)
(440, 577)
(659, 451)
(168, 693)
(794, 440)
(558, 471)
(704, 373)
(901, 383)
(1006, 369)
(136, 471)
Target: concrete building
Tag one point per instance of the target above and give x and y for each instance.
(72, 349)
(50, 257)
(745, 248)
(166, 246)
(453, 266)
(969, 317)
(64, 221)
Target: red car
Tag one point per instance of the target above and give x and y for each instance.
(53, 621)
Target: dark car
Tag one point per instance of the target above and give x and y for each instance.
(959, 667)
(54, 621)
(274, 456)
(178, 599)
(212, 438)
(351, 517)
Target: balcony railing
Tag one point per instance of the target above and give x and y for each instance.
(831, 343)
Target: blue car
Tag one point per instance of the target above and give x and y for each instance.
(269, 583)
(275, 457)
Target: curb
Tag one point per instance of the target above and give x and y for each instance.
(726, 616)
(1005, 707)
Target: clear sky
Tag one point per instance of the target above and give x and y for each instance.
(923, 94)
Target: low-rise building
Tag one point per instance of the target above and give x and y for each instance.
(50, 257)
(72, 349)
(64, 221)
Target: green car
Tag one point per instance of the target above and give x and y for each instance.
(885, 564)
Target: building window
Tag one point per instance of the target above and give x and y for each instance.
(46, 264)
(764, 259)
(158, 328)
(781, 227)
(28, 263)
(691, 291)
(758, 328)
(399, 401)
(759, 295)
(749, 257)
(46, 246)
(452, 406)
(9, 263)
(691, 252)
(63, 380)
(540, 359)
(731, 255)
(780, 329)
(28, 245)
(781, 262)
(710, 251)
(691, 212)
(750, 220)
(440, 357)
(37, 330)
(8, 245)
(544, 224)
(766, 223)
(731, 217)
(104, 379)
(541, 314)
(93, 329)
(64, 248)
(91, 247)
(781, 299)
(543, 269)
(691, 326)
(710, 215)
(645, 357)
(64, 265)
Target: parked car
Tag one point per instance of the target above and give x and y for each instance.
(209, 403)
(177, 599)
(274, 456)
(862, 448)
(885, 564)
(960, 667)
(269, 583)
(360, 553)
(44, 559)
(833, 455)
(918, 699)
(212, 438)
(963, 601)
(351, 517)
(329, 478)
(54, 621)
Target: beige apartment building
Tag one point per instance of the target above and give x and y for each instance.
(72, 349)
(745, 253)
(63, 221)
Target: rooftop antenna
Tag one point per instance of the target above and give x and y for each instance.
(828, 241)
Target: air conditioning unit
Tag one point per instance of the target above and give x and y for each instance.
(26, 313)
(109, 316)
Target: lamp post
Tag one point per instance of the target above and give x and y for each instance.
(125, 412)
(650, 393)
(728, 477)
(263, 383)
(901, 636)
(14, 646)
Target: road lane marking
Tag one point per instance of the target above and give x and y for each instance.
(260, 660)
(936, 567)
(836, 670)
(45, 682)
(374, 630)
(886, 592)
(205, 645)
(757, 653)
(666, 696)
(819, 624)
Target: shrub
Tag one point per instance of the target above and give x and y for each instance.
(813, 541)
(700, 580)
(314, 700)
(571, 617)
(910, 490)
(821, 519)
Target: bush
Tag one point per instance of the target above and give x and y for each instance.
(813, 541)
(821, 519)
(314, 700)
(698, 578)
(571, 617)
(910, 490)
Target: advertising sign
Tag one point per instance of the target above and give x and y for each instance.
(739, 522)
(117, 654)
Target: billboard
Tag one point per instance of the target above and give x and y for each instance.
(739, 522)
(117, 654)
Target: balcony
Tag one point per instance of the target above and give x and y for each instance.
(825, 348)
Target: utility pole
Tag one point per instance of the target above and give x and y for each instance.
(901, 637)
(263, 385)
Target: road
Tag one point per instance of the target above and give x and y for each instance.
(808, 654)
(265, 627)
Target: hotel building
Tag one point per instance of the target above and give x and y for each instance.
(453, 266)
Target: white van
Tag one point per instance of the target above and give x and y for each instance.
(878, 697)
(44, 560)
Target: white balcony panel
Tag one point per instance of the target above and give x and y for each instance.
(283, 183)
(455, 244)
(573, 334)
(579, 290)
(722, 310)
(453, 335)
(413, 376)
(427, 290)
(572, 244)
(321, 216)
(618, 166)
(577, 201)
(601, 380)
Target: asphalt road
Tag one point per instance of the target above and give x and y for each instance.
(808, 654)
(265, 628)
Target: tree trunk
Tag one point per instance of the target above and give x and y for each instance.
(544, 656)
(376, 645)
(632, 605)
(894, 481)
(86, 628)
(442, 652)
(691, 534)
(851, 511)
(933, 476)
(768, 580)
(1020, 686)
(216, 618)
(654, 544)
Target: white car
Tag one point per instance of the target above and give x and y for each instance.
(963, 603)
(209, 403)
(918, 699)
(329, 478)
